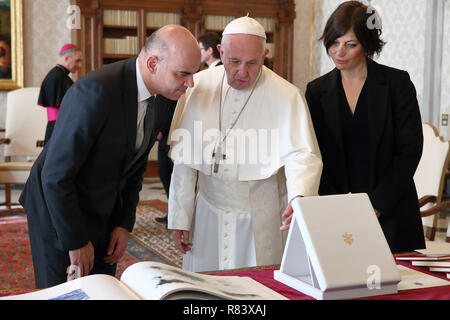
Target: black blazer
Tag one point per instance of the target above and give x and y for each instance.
(82, 184)
(395, 148)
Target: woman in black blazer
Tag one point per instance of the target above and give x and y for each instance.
(368, 125)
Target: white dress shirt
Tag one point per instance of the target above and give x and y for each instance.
(212, 65)
(143, 95)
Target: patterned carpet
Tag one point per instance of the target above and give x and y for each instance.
(16, 269)
(149, 241)
(153, 235)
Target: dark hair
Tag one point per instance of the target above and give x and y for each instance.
(365, 22)
(210, 40)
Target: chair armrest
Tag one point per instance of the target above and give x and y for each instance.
(426, 199)
(5, 141)
(437, 208)
(40, 143)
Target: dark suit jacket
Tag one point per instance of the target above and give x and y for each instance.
(395, 148)
(83, 184)
(165, 164)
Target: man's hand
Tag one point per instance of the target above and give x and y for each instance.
(287, 215)
(117, 245)
(83, 258)
(181, 239)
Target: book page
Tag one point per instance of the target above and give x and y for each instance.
(157, 281)
(93, 287)
(413, 279)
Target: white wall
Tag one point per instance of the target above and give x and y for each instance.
(44, 33)
(445, 78)
(404, 27)
(302, 40)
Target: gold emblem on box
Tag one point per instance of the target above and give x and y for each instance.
(348, 238)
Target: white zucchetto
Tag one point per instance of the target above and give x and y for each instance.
(245, 25)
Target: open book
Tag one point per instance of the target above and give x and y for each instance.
(155, 281)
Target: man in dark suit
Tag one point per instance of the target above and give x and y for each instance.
(208, 45)
(165, 164)
(83, 189)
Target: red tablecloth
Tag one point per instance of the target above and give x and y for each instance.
(265, 276)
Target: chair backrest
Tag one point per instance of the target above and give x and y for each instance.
(430, 174)
(25, 122)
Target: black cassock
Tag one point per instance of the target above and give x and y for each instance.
(53, 88)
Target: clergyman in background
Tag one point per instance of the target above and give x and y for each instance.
(57, 82)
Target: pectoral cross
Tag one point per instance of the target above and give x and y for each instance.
(218, 155)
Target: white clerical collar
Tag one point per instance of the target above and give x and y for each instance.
(226, 88)
(143, 93)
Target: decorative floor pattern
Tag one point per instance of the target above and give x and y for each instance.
(149, 241)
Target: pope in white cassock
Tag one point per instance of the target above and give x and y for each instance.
(243, 146)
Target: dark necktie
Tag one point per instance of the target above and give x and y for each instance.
(148, 121)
